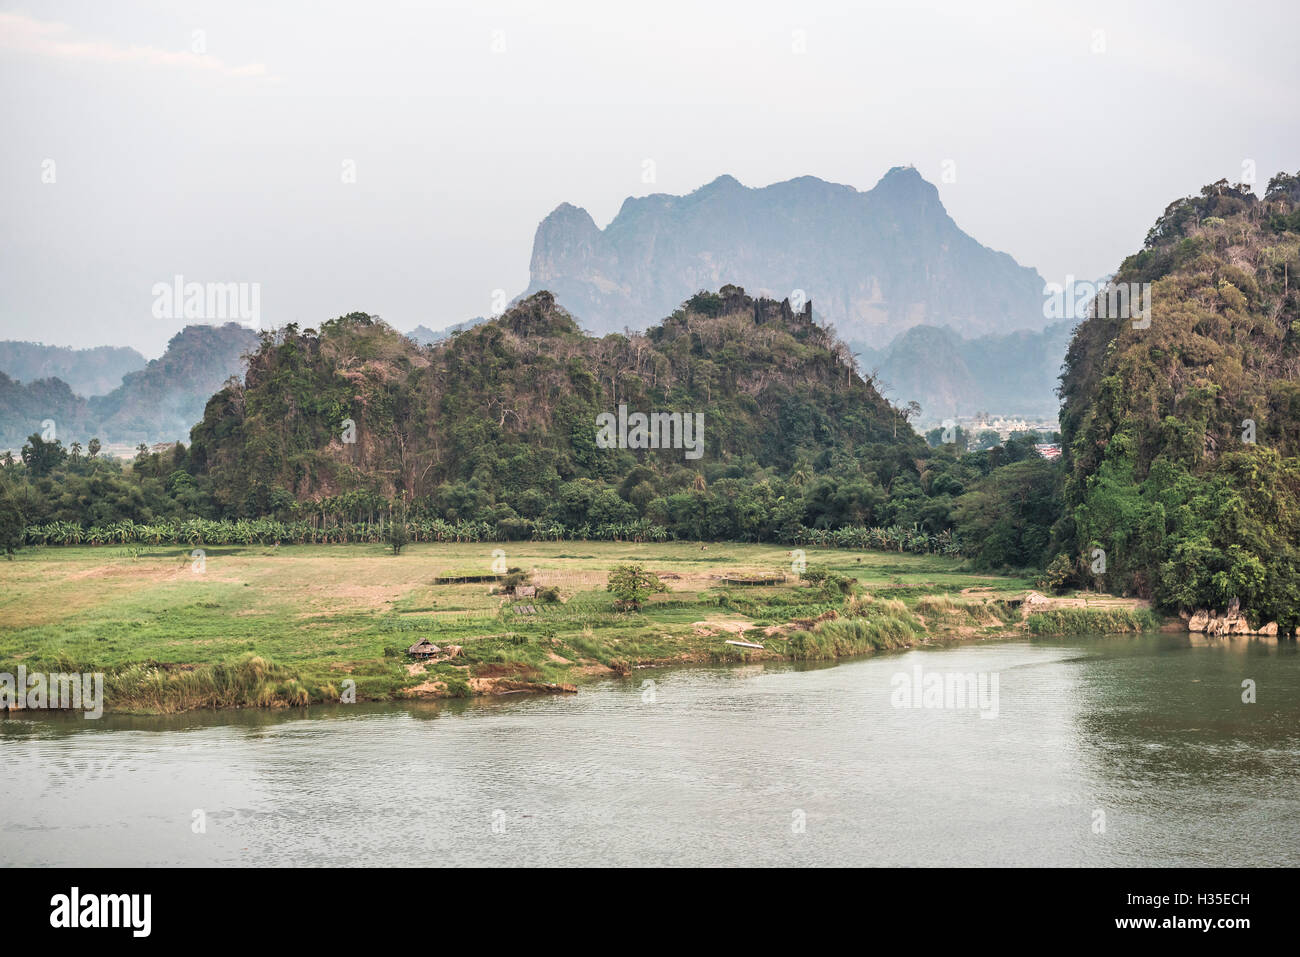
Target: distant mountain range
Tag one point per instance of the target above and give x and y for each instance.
(874, 263)
(423, 335)
(154, 401)
(1009, 373)
(86, 371)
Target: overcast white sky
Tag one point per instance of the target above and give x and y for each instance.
(226, 165)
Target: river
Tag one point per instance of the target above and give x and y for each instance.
(1103, 751)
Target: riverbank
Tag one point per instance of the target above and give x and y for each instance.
(291, 626)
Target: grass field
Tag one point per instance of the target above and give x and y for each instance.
(293, 624)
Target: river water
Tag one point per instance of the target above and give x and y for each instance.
(1105, 751)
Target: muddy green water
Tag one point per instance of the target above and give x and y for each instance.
(1108, 751)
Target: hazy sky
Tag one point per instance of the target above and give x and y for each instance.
(220, 154)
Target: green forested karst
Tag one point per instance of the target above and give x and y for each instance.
(1181, 439)
(506, 411)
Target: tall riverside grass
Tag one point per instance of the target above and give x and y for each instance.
(854, 636)
(1092, 621)
(250, 682)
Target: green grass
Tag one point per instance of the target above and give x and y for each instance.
(267, 626)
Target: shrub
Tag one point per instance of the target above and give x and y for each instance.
(1058, 575)
(397, 536)
(631, 585)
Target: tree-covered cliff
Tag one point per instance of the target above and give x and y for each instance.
(1182, 433)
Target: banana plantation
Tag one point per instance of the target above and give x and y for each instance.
(197, 531)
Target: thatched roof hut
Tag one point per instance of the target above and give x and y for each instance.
(424, 648)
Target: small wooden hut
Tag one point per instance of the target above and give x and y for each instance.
(424, 648)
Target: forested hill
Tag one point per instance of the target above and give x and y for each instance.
(508, 409)
(1182, 435)
(1011, 372)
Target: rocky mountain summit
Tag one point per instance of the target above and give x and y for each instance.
(876, 262)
